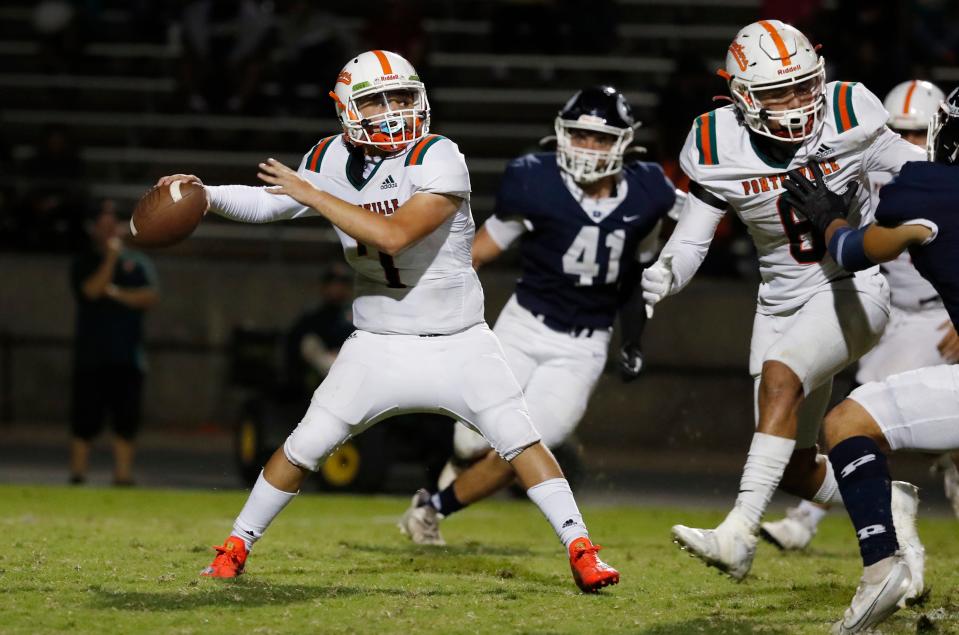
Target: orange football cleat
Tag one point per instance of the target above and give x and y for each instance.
(230, 560)
(591, 573)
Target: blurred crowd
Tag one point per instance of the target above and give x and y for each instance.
(260, 58)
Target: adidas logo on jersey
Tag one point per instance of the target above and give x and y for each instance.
(824, 151)
(388, 183)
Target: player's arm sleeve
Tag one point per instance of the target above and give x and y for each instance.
(248, 204)
(694, 232)
(888, 152)
(443, 171)
(504, 232)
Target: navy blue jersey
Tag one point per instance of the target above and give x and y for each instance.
(573, 263)
(929, 191)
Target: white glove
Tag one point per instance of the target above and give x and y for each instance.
(657, 281)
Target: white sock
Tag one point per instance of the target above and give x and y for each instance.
(264, 503)
(812, 512)
(767, 460)
(828, 493)
(555, 499)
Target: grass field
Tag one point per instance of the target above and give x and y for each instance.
(108, 561)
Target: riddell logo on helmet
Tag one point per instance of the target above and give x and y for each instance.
(783, 71)
(387, 78)
(344, 78)
(739, 54)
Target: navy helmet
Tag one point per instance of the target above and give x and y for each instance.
(942, 140)
(601, 109)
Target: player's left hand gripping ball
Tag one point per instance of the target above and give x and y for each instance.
(286, 181)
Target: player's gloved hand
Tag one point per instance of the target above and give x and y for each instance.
(631, 362)
(657, 281)
(817, 202)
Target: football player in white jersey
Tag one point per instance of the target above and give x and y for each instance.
(919, 332)
(812, 317)
(398, 198)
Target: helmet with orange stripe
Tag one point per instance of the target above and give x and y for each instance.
(911, 104)
(777, 81)
(381, 101)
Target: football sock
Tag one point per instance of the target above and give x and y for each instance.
(555, 499)
(264, 503)
(828, 493)
(765, 464)
(812, 513)
(863, 476)
(445, 502)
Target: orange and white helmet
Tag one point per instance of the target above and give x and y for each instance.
(769, 59)
(376, 73)
(912, 104)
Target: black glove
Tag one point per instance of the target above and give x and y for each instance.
(817, 202)
(630, 362)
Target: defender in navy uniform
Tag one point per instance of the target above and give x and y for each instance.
(586, 222)
(916, 410)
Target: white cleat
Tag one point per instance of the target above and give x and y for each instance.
(950, 480)
(875, 602)
(792, 533)
(905, 506)
(421, 521)
(729, 550)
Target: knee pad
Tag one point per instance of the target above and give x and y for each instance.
(318, 434)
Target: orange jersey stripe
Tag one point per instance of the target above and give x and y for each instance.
(419, 149)
(384, 62)
(843, 110)
(778, 41)
(905, 106)
(704, 140)
(318, 152)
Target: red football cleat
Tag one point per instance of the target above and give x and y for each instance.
(230, 560)
(591, 573)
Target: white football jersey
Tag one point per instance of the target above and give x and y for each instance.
(431, 287)
(910, 291)
(729, 171)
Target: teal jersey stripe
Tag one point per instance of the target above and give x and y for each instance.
(713, 146)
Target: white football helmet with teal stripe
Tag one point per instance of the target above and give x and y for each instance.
(375, 75)
(777, 81)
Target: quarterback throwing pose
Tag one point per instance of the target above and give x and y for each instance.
(813, 318)
(914, 410)
(584, 219)
(399, 200)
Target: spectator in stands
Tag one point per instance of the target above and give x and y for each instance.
(113, 287)
(50, 214)
(316, 337)
(226, 49)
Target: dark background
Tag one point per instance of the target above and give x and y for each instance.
(99, 98)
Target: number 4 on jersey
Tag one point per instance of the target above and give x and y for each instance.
(581, 257)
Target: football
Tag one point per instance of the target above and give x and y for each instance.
(167, 214)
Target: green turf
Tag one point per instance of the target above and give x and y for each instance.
(109, 561)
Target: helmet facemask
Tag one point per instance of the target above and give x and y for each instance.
(590, 165)
(391, 129)
(762, 104)
(942, 143)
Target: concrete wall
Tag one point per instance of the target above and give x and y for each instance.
(696, 391)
